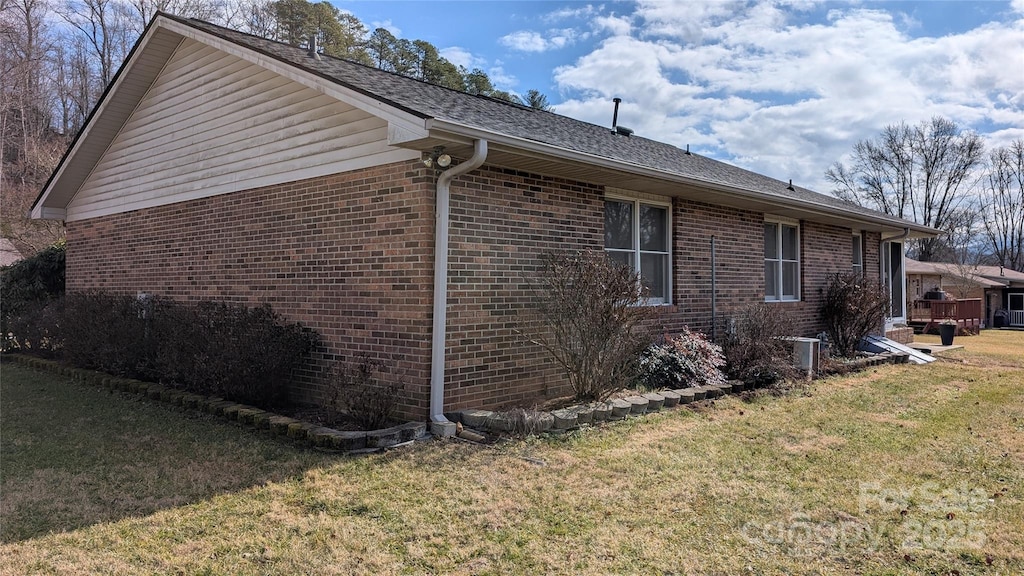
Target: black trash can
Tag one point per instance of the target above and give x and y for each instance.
(946, 333)
(1000, 318)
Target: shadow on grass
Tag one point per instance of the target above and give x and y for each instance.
(72, 455)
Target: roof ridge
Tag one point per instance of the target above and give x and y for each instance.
(374, 69)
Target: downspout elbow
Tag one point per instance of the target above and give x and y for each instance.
(903, 236)
(437, 352)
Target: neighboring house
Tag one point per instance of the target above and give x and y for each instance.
(998, 288)
(223, 166)
(9, 253)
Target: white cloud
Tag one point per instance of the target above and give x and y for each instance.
(462, 57)
(525, 41)
(530, 41)
(617, 25)
(778, 90)
(570, 13)
(387, 25)
(500, 78)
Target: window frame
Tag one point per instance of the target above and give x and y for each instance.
(637, 202)
(780, 223)
(858, 240)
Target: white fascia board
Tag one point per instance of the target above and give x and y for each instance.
(41, 212)
(403, 122)
(541, 150)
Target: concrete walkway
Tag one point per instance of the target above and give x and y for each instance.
(933, 349)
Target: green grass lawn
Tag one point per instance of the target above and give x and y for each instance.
(900, 469)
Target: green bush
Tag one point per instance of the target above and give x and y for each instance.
(107, 333)
(29, 284)
(239, 353)
(686, 359)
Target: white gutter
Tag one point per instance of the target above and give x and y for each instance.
(903, 236)
(441, 277)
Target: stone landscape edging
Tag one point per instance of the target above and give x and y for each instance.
(572, 417)
(362, 441)
(295, 430)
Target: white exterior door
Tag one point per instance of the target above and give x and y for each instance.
(895, 281)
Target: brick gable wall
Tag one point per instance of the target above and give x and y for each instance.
(351, 256)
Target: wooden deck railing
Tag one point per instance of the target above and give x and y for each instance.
(966, 312)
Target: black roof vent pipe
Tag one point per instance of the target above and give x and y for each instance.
(616, 129)
(314, 50)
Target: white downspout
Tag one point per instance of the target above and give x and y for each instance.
(441, 277)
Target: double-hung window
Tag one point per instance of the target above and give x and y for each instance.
(781, 261)
(636, 233)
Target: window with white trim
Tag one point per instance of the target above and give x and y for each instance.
(781, 261)
(637, 234)
(858, 253)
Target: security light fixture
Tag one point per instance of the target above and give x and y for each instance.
(437, 159)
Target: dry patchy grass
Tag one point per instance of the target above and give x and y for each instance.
(902, 469)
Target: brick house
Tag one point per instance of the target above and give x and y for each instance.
(223, 166)
(1000, 290)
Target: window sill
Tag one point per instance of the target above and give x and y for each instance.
(785, 301)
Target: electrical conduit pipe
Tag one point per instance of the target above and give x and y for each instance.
(441, 277)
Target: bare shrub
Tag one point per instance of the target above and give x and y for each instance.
(588, 318)
(688, 358)
(755, 349)
(853, 306)
(355, 392)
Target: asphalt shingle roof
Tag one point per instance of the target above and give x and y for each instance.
(430, 101)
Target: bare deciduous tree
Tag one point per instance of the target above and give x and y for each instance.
(1002, 206)
(106, 26)
(922, 173)
(28, 144)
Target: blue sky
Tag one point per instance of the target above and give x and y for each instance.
(783, 88)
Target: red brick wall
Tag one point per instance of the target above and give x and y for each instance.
(350, 256)
(825, 250)
(739, 277)
(501, 222)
